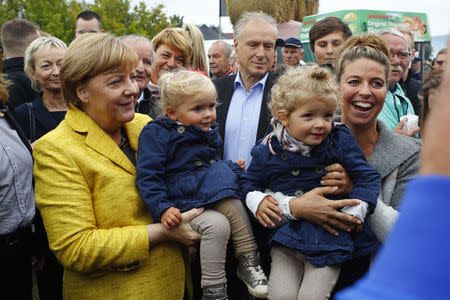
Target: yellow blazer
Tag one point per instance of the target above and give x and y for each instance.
(95, 218)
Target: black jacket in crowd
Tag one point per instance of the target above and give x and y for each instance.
(20, 91)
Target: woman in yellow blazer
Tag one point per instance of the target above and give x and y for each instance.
(85, 173)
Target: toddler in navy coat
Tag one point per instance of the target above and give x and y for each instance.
(179, 168)
(291, 161)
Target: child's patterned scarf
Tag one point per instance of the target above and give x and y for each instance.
(286, 141)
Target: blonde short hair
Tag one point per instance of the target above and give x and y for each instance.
(42, 43)
(176, 85)
(175, 39)
(92, 54)
(301, 85)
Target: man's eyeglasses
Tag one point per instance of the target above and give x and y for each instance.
(401, 54)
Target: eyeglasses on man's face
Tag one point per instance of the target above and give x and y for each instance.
(400, 54)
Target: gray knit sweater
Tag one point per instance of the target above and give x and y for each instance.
(396, 157)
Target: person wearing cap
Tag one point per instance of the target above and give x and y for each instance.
(293, 52)
(416, 65)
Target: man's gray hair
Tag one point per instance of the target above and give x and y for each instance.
(227, 48)
(252, 16)
(233, 57)
(136, 37)
(397, 33)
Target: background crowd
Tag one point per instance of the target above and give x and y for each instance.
(79, 221)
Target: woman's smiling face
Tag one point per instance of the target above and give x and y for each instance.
(363, 85)
(46, 68)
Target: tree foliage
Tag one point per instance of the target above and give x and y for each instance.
(57, 17)
(176, 21)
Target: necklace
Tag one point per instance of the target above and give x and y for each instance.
(55, 107)
(123, 138)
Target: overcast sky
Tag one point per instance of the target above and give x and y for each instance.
(207, 11)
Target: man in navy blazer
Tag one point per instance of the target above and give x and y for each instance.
(225, 91)
(242, 111)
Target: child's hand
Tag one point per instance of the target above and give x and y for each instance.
(171, 217)
(241, 163)
(337, 176)
(268, 210)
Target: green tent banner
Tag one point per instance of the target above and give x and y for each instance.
(373, 21)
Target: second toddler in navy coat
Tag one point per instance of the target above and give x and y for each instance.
(290, 161)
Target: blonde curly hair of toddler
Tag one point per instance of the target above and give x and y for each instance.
(301, 85)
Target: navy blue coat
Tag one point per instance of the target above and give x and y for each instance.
(180, 166)
(294, 174)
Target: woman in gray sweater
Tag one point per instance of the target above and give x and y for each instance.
(362, 70)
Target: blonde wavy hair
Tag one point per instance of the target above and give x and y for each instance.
(198, 57)
(175, 86)
(301, 85)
